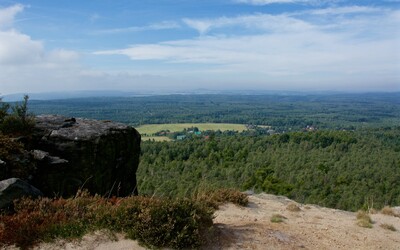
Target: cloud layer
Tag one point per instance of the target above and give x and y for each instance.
(347, 47)
(351, 45)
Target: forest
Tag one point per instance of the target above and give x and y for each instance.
(282, 112)
(351, 160)
(339, 169)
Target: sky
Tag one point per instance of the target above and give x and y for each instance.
(189, 45)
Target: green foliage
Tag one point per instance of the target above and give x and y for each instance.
(363, 219)
(19, 122)
(264, 179)
(339, 169)
(17, 161)
(4, 107)
(277, 218)
(174, 223)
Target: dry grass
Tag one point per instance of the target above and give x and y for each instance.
(214, 198)
(388, 227)
(363, 219)
(386, 210)
(293, 207)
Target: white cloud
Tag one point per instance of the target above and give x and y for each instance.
(26, 65)
(265, 22)
(265, 2)
(360, 49)
(25, 61)
(346, 10)
(17, 48)
(155, 26)
(7, 15)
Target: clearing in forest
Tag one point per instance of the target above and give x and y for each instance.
(150, 129)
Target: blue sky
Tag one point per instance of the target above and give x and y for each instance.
(182, 45)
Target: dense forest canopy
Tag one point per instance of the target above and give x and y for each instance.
(337, 169)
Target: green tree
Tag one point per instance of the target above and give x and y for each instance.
(19, 122)
(3, 109)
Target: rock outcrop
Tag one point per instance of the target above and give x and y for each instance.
(13, 189)
(100, 156)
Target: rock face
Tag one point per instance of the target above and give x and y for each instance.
(14, 188)
(100, 156)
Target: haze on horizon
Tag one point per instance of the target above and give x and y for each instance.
(183, 45)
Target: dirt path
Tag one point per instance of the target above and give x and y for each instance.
(312, 227)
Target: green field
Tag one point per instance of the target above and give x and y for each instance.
(150, 129)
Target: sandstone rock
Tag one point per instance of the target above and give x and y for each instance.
(14, 188)
(43, 156)
(100, 156)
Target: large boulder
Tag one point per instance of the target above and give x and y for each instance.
(13, 189)
(100, 156)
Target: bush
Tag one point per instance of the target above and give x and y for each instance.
(388, 227)
(389, 211)
(363, 219)
(277, 218)
(213, 198)
(174, 223)
(19, 122)
(293, 207)
(17, 161)
(3, 110)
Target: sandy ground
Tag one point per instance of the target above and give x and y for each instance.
(312, 227)
(250, 227)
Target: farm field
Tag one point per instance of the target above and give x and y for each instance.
(150, 129)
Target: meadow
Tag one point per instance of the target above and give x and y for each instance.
(150, 129)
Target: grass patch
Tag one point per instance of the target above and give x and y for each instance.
(389, 211)
(150, 129)
(293, 207)
(173, 223)
(388, 227)
(363, 219)
(277, 218)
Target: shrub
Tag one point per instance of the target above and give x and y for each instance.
(363, 219)
(174, 223)
(19, 122)
(277, 218)
(389, 211)
(3, 109)
(388, 227)
(293, 207)
(213, 198)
